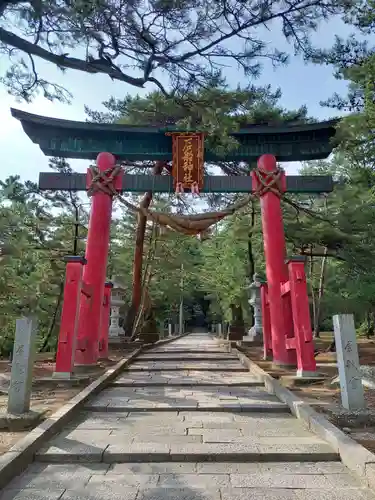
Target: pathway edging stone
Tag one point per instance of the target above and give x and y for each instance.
(353, 455)
(21, 454)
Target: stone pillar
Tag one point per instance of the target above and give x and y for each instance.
(220, 329)
(352, 397)
(22, 366)
(256, 332)
(115, 331)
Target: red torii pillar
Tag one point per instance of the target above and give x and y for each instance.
(271, 189)
(94, 274)
(69, 317)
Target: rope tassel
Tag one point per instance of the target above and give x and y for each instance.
(179, 188)
(195, 188)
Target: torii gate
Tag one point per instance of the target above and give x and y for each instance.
(84, 324)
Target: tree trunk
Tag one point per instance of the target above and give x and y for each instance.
(54, 318)
(250, 242)
(369, 325)
(312, 289)
(250, 252)
(320, 293)
(237, 314)
(138, 255)
(372, 323)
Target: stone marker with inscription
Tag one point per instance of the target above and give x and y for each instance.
(352, 397)
(22, 366)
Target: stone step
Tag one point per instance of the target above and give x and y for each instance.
(187, 376)
(123, 451)
(187, 383)
(188, 436)
(161, 407)
(158, 356)
(211, 426)
(188, 481)
(228, 366)
(205, 398)
(174, 350)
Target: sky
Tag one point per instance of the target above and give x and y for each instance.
(300, 84)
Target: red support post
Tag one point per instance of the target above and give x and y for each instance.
(95, 271)
(69, 317)
(306, 364)
(104, 321)
(274, 250)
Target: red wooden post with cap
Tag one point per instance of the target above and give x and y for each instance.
(269, 181)
(304, 344)
(69, 317)
(97, 247)
(104, 321)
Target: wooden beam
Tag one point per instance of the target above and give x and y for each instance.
(164, 183)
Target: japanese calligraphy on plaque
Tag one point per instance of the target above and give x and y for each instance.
(187, 167)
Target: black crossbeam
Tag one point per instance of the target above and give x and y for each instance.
(164, 183)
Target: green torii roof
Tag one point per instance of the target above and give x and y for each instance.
(84, 140)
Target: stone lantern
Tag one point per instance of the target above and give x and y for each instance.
(117, 300)
(255, 333)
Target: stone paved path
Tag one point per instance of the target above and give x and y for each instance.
(186, 422)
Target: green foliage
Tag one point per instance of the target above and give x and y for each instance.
(215, 109)
(35, 237)
(354, 61)
(137, 42)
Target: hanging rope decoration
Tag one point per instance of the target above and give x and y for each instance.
(103, 180)
(180, 188)
(268, 180)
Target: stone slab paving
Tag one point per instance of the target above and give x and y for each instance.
(187, 447)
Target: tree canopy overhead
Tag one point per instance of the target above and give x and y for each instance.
(354, 61)
(177, 45)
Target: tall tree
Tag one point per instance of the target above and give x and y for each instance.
(136, 42)
(37, 230)
(354, 61)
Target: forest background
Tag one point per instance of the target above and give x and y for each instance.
(336, 232)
